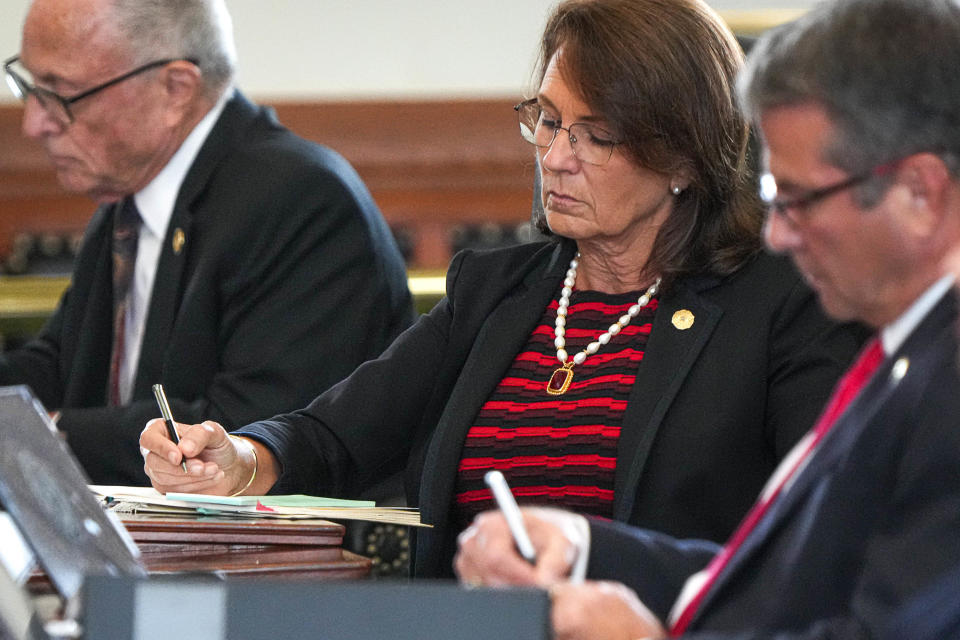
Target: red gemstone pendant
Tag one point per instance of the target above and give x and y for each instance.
(560, 380)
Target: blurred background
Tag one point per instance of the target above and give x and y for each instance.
(416, 94)
(313, 49)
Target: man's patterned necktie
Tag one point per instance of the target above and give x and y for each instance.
(126, 229)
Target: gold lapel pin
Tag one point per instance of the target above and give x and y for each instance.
(899, 369)
(683, 319)
(179, 239)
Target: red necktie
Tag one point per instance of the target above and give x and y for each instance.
(846, 390)
(126, 229)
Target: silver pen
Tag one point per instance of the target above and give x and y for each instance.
(511, 512)
(168, 418)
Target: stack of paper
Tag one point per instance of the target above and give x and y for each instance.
(123, 500)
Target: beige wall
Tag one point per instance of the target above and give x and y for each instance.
(321, 49)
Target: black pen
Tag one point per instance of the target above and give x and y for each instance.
(168, 418)
(511, 512)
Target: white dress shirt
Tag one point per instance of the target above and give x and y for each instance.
(155, 202)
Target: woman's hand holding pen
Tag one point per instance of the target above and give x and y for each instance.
(487, 554)
(216, 463)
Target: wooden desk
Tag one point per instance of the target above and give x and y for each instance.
(245, 548)
(279, 561)
(168, 530)
(238, 549)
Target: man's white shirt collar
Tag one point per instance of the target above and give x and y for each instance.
(155, 203)
(156, 200)
(895, 334)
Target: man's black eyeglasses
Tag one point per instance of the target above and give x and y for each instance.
(801, 203)
(58, 106)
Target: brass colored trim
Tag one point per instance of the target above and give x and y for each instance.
(30, 296)
(755, 21)
(35, 297)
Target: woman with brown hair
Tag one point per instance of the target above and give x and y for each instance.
(648, 363)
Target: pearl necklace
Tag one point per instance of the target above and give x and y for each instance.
(562, 377)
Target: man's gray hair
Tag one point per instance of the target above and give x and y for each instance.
(200, 30)
(887, 72)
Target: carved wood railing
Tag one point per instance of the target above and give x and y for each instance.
(431, 165)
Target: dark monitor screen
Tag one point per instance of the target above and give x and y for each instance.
(44, 489)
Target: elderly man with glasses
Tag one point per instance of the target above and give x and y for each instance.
(240, 266)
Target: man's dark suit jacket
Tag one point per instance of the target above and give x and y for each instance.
(871, 521)
(712, 409)
(933, 614)
(288, 279)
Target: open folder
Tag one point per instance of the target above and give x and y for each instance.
(134, 500)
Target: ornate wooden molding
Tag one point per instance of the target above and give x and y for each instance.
(429, 165)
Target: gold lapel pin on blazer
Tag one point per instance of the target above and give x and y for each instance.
(683, 319)
(179, 238)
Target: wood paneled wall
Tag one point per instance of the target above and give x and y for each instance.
(429, 164)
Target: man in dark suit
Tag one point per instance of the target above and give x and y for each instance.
(257, 270)
(857, 105)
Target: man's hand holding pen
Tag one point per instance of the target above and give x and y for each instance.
(581, 610)
(488, 555)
